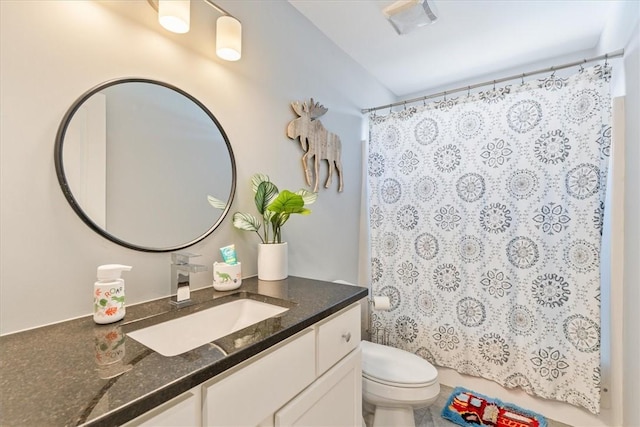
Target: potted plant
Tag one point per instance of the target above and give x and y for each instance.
(275, 207)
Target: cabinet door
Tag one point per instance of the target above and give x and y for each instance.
(250, 395)
(183, 410)
(335, 399)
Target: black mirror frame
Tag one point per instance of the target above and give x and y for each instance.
(66, 190)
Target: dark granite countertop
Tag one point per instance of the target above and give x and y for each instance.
(80, 373)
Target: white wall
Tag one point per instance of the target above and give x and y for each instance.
(53, 51)
(631, 331)
(624, 30)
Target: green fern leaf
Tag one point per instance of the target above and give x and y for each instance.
(267, 192)
(288, 202)
(216, 203)
(258, 179)
(308, 196)
(245, 221)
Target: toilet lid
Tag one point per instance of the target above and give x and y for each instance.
(391, 365)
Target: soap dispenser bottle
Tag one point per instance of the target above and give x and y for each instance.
(108, 294)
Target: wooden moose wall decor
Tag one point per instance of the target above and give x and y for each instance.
(316, 141)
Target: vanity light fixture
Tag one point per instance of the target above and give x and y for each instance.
(228, 38)
(228, 35)
(174, 16)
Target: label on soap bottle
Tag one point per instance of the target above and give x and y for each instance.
(108, 301)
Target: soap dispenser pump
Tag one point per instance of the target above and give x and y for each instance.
(108, 294)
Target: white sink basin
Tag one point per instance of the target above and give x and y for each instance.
(180, 335)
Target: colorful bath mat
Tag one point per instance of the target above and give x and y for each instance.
(468, 408)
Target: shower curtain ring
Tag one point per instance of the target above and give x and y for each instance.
(445, 96)
(405, 105)
(522, 84)
(494, 85)
(606, 60)
(468, 91)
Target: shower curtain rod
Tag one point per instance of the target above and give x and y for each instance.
(616, 54)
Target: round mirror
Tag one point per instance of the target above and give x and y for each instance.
(137, 160)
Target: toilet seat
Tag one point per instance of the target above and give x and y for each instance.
(395, 367)
(397, 384)
(388, 395)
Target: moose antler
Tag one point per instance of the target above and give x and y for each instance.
(311, 109)
(300, 109)
(315, 109)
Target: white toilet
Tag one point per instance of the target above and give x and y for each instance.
(394, 383)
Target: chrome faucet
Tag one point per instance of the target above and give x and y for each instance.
(180, 269)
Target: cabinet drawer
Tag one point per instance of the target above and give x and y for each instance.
(337, 337)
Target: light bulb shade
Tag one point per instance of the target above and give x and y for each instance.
(174, 15)
(228, 38)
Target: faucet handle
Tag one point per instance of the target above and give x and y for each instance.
(182, 257)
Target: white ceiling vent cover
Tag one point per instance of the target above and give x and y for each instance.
(409, 15)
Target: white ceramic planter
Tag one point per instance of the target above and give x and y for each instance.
(273, 261)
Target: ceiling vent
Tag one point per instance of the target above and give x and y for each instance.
(409, 15)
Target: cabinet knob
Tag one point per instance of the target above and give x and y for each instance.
(347, 336)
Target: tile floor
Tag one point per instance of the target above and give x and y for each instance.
(430, 417)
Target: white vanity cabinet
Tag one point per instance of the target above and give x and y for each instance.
(253, 392)
(310, 379)
(314, 378)
(335, 398)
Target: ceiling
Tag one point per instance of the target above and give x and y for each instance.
(470, 38)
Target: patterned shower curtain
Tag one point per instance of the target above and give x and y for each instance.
(486, 220)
